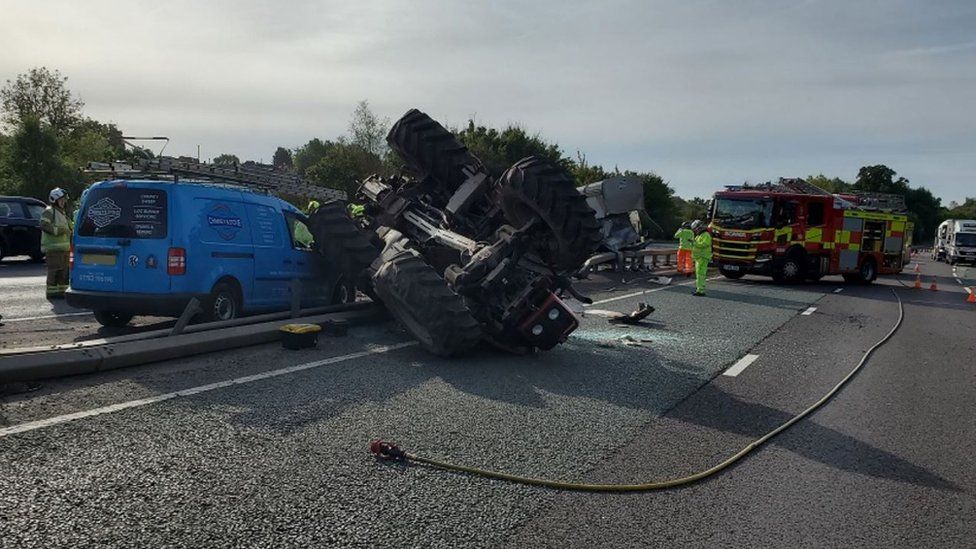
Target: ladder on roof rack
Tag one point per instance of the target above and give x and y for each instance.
(250, 175)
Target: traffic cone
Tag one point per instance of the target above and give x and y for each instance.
(934, 287)
(972, 296)
(918, 282)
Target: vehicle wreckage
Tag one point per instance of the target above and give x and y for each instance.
(458, 256)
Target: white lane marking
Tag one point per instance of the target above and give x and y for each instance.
(742, 364)
(49, 422)
(809, 311)
(26, 318)
(838, 290)
(959, 281)
(22, 281)
(635, 294)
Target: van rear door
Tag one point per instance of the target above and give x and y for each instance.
(122, 239)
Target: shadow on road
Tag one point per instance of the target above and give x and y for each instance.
(713, 408)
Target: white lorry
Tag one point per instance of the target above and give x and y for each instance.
(959, 240)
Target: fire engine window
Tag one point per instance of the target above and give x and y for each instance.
(815, 214)
(786, 214)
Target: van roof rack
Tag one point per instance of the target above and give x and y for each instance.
(248, 174)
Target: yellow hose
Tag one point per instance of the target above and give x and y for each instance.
(662, 484)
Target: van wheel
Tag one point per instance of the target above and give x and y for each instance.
(113, 319)
(224, 303)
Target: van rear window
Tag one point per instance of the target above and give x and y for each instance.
(124, 212)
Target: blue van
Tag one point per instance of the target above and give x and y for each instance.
(148, 247)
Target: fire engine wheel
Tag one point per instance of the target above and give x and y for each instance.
(430, 150)
(342, 240)
(868, 271)
(734, 275)
(535, 189)
(420, 299)
(791, 270)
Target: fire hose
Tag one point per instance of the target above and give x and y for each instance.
(385, 450)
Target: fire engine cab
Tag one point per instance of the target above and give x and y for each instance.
(793, 230)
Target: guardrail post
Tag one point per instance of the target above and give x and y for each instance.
(191, 310)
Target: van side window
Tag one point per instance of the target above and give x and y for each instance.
(301, 237)
(815, 214)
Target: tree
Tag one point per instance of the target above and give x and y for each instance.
(498, 150)
(831, 185)
(309, 154)
(584, 173)
(40, 94)
(367, 130)
(34, 156)
(924, 209)
(226, 160)
(880, 179)
(282, 159)
(343, 166)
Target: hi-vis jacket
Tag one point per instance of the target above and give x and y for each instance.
(55, 230)
(703, 247)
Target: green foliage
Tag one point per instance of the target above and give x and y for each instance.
(43, 95)
(832, 185)
(584, 173)
(310, 154)
(966, 210)
(343, 166)
(35, 159)
(498, 150)
(282, 159)
(226, 160)
(688, 210)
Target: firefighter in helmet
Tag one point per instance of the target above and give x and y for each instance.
(56, 242)
(701, 253)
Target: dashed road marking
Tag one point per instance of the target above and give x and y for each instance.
(838, 290)
(740, 365)
(636, 294)
(809, 311)
(57, 420)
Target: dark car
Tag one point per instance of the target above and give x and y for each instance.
(20, 232)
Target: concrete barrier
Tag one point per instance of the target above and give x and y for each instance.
(85, 360)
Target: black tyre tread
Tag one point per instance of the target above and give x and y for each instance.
(112, 319)
(339, 238)
(550, 193)
(430, 150)
(407, 285)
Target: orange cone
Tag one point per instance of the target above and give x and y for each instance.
(972, 296)
(934, 287)
(918, 282)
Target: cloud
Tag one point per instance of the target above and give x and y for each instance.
(704, 92)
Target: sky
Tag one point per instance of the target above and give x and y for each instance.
(704, 93)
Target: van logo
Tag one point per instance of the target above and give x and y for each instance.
(104, 212)
(223, 220)
(133, 260)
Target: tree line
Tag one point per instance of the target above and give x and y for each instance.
(45, 140)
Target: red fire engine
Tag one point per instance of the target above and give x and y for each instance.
(792, 230)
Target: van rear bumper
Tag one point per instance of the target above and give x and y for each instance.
(138, 304)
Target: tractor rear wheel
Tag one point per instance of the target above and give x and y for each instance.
(535, 189)
(421, 300)
(431, 151)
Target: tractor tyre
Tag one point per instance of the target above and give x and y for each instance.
(340, 239)
(535, 189)
(431, 151)
(423, 303)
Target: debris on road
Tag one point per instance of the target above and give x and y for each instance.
(635, 317)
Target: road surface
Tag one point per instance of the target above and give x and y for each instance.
(167, 455)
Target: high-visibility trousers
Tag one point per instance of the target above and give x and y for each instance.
(701, 274)
(685, 264)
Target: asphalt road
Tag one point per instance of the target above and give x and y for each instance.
(161, 456)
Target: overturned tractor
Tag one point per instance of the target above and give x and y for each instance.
(457, 256)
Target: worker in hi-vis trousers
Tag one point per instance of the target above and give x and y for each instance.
(56, 242)
(701, 253)
(685, 239)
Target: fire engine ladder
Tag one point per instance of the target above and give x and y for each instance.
(802, 187)
(265, 179)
